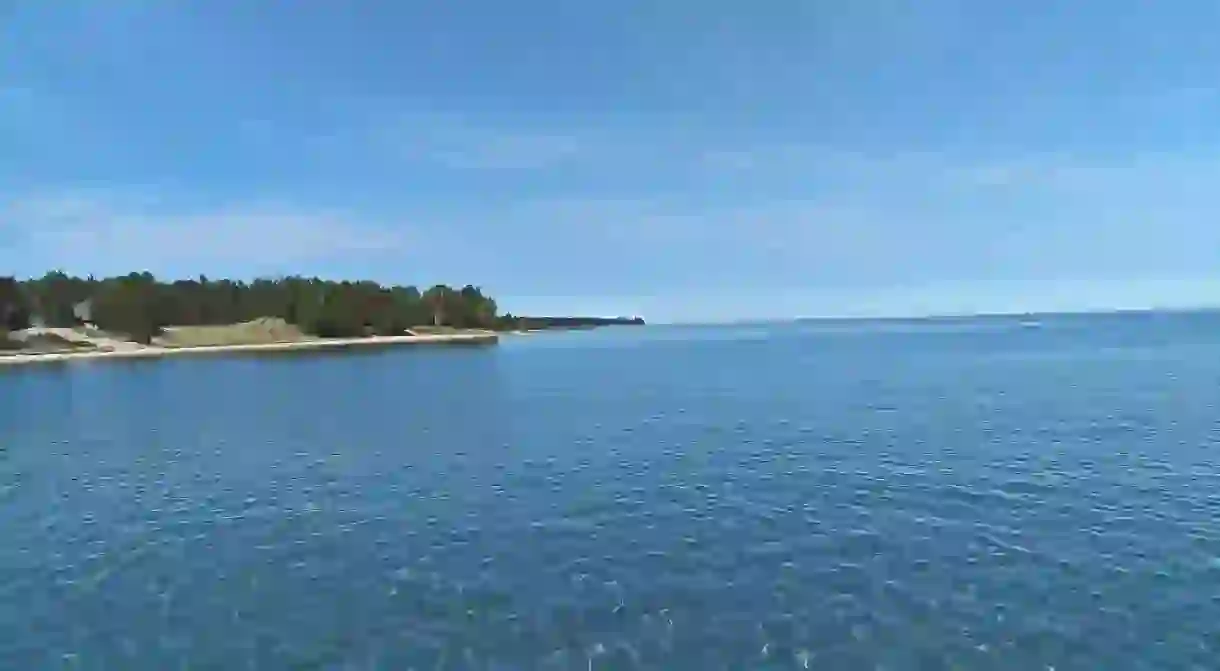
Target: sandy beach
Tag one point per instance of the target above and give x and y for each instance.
(133, 351)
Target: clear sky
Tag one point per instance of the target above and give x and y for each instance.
(685, 159)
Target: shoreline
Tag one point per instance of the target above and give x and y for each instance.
(156, 351)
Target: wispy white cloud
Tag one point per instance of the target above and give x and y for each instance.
(101, 233)
(891, 220)
(1151, 177)
(394, 134)
(842, 232)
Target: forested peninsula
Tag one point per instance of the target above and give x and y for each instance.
(58, 312)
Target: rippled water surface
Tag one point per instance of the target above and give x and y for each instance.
(971, 494)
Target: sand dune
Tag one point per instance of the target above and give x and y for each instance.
(103, 347)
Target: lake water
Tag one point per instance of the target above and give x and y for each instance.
(971, 494)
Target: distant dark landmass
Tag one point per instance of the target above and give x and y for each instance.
(536, 323)
(141, 308)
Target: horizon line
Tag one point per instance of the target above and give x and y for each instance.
(1081, 312)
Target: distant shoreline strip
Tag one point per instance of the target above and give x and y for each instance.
(152, 351)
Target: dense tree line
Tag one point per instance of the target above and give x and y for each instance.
(13, 312)
(528, 323)
(139, 305)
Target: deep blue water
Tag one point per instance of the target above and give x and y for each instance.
(849, 495)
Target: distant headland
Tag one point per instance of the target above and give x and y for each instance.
(543, 323)
(60, 317)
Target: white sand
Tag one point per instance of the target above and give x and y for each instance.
(134, 351)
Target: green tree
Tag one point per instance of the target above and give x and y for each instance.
(130, 305)
(139, 305)
(14, 305)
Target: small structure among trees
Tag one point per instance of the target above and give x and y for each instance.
(139, 305)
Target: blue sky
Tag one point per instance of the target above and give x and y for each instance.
(685, 160)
